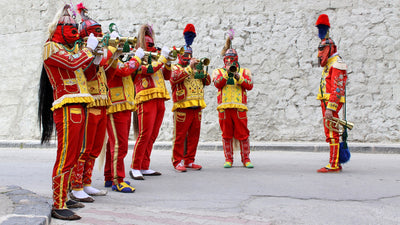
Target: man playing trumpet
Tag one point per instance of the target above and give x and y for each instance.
(233, 83)
(188, 97)
(151, 92)
(331, 90)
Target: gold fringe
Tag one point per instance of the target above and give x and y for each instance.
(121, 107)
(230, 106)
(152, 93)
(187, 104)
(71, 101)
(100, 102)
(50, 48)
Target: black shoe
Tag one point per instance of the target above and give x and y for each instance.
(71, 204)
(64, 214)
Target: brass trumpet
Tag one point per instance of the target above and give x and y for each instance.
(204, 61)
(173, 55)
(335, 122)
(115, 41)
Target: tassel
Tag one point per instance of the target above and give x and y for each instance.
(230, 81)
(150, 67)
(126, 47)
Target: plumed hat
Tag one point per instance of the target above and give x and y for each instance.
(323, 26)
(189, 33)
(86, 20)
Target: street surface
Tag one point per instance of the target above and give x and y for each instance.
(283, 188)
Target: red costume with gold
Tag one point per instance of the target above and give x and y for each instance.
(122, 94)
(188, 97)
(151, 93)
(64, 63)
(96, 120)
(232, 105)
(331, 90)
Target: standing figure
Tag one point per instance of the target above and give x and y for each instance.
(63, 90)
(232, 83)
(331, 90)
(122, 95)
(188, 97)
(151, 93)
(96, 119)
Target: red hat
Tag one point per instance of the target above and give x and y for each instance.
(323, 19)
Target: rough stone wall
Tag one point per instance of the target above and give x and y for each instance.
(276, 40)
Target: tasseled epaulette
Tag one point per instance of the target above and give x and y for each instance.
(50, 48)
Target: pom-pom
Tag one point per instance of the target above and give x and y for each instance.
(80, 7)
(189, 33)
(324, 20)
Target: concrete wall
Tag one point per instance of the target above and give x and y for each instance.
(277, 40)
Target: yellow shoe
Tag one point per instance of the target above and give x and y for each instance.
(248, 165)
(123, 187)
(227, 164)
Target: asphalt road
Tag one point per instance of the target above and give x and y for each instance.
(283, 188)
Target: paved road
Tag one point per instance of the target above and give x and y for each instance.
(283, 188)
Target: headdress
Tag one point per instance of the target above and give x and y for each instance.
(88, 25)
(189, 33)
(64, 28)
(323, 26)
(146, 35)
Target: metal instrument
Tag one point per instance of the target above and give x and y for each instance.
(334, 123)
(115, 41)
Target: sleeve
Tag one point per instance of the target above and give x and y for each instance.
(337, 81)
(179, 74)
(245, 80)
(207, 80)
(148, 70)
(218, 79)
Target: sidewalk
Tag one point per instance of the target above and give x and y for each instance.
(283, 188)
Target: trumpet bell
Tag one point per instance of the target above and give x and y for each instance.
(205, 61)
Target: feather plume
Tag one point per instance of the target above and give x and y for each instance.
(227, 46)
(189, 33)
(144, 30)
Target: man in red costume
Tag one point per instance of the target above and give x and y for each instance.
(188, 97)
(151, 93)
(122, 95)
(233, 83)
(63, 83)
(331, 90)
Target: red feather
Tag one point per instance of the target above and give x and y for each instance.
(323, 19)
(80, 7)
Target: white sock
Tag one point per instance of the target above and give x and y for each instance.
(80, 194)
(91, 190)
(149, 171)
(136, 173)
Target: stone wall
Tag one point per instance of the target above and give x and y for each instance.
(276, 40)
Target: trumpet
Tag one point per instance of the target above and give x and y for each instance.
(173, 54)
(334, 123)
(115, 41)
(204, 61)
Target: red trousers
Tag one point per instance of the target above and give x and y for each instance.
(187, 124)
(96, 124)
(233, 124)
(70, 126)
(118, 126)
(332, 137)
(150, 116)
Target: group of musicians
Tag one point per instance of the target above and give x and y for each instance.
(90, 89)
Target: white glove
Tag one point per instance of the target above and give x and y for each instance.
(114, 34)
(165, 52)
(92, 42)
(139, 53)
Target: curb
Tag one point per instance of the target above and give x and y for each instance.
(26, 207)
(254, 146)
